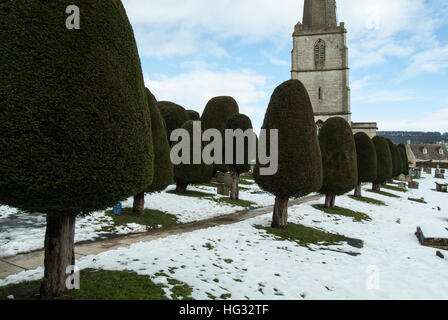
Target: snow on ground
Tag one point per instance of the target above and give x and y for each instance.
(247, 263)
(24, 232)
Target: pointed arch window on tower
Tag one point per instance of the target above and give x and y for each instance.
(319, 53)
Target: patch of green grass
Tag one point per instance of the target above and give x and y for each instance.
(304, 236)
(369, 200)
(394, 188)
(191, 193)
(384, 193)
(106, 285)
(357, 216)
(229, 261)
(239, 202)
(151, 219)
(246, 182)
(209, 246)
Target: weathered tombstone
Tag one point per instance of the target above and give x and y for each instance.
(402, 177)
(441, 187)
(421, 200)
(413, 185)
(442, 171)
(408, 179)
(428, 170)
(416, 173)
(227, 179)
(436, 237)
(223, 189)
(439, 176)
(220, 177)
(402, 185)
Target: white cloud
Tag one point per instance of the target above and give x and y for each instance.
(381, 96)
(432, 61)
(426, 122)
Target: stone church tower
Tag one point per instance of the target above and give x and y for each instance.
(320, 60)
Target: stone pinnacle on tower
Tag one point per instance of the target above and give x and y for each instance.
(319, 14)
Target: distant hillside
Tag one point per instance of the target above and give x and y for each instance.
(398, 137)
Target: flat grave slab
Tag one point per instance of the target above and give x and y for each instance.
(433, 235)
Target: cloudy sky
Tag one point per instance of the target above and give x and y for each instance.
(193, 50)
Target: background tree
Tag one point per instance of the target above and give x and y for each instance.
(173, 114)
(238, 121)
(72, 113)
(404, 158)
(366, 160)
(163, 168)
(299, 159)
(215, 115)
(193, 115)
(384, 162)
(338, 149)
(185, 174)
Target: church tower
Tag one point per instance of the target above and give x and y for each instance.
(320, 60)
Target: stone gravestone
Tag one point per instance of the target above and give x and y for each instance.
(428, 170)
(224, 181)
(413, 185)
(402, 177)
(441, 187)
(439, 176)
(402, 185)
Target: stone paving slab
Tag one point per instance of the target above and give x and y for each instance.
(29, 261)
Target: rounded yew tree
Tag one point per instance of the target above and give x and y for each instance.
(215, 115)
(73, 111)
(338, 149)
(366, 160)
(299, 159)
(173, 114)
(384, 162)
(243, 123)
(193, 115)
(404, 158)
(188, 173)
(396, 160)
(163, 168)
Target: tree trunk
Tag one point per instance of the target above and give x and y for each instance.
(181, 187)
(376, 187)
(59, 254)
(280, 214)
(358, 191)
(234, 188)
(139, 204)
(329, 200)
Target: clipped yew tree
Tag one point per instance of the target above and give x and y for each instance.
(215, 115)
(185, 174)
(404, 158)
(384, 162)
(173, 114)
(163, 168)
(366, 160)
(73, 112)
(193, 115)
(396, 161)
(299, 159)
(242, 122)
(339, 162)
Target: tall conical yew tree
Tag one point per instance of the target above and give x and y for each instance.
(185, 174)
(73, 112)
(338, 149)
(163, 168)
(385, 164)
(242, 122)
(174, 115)
(299, 159)
(366, 160)
(215, 115)
(404, 158)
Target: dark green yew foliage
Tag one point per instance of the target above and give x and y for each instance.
(404, 158)
(215, 115)
(192, 173)
(193, 115)
(299, 158)
(73, 108)
(163, 168)
(384, 157)
(396, 160)
(173, 114)
(240, 121)
(366, 158)
(338, 149)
